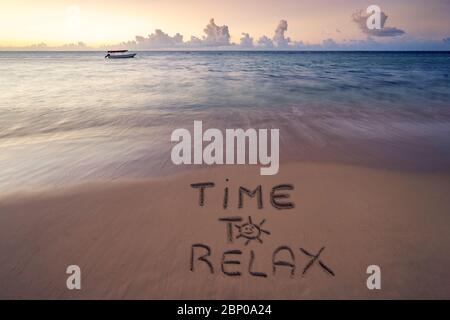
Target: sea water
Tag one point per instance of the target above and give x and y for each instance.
(72, 117)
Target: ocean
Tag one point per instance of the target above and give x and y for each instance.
(75, 117)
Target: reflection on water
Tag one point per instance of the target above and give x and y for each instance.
(73, 117)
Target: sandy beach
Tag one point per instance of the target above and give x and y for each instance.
(225, 150)
(88, 179)
(134, 239)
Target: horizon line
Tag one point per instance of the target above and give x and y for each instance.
(230, 50)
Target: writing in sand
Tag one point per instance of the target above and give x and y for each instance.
(249, 231)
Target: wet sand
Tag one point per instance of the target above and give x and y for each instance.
(134, 239)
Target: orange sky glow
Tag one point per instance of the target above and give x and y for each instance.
(100, 22)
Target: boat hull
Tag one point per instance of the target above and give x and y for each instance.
(121, 56)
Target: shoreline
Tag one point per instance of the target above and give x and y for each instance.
(80, 146)
(182, 171)
(134, 239)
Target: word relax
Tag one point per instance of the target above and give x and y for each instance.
(231, 265)
(237, 141)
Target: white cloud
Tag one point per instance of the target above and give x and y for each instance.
(156, 40)
(195, 42)
(246, 41)
(159, 39)
(265, 42)
(279, 38)
(216, 36)
(74, 46)
(42, 46)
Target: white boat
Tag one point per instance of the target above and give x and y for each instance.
(119, 54)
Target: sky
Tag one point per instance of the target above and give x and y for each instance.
(267, 24)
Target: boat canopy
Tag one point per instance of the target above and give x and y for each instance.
(117, 51)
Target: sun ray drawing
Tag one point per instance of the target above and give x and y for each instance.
(251, 231)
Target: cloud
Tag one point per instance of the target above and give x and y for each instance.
(42, 46)
(159, 39)
(279, 38)
(330, 44)
(216, 36)
(38, 46)
(360, 18)
(156, 40)
(265, 42)
(246, 41)
(195, 42)
(370, 44)
(81, 46)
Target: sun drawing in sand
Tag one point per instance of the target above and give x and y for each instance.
(251, 231)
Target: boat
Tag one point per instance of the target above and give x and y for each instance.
(119, 54)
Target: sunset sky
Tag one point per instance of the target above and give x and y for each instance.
(100, 22)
